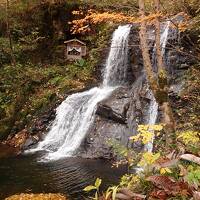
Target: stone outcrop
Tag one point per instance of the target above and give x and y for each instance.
(109, 114)
(118, 116)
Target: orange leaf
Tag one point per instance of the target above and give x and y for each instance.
(159, 194)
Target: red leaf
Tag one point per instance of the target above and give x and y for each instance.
(170, 186)
(159, 194)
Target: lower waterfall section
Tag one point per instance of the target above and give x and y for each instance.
(74, 117)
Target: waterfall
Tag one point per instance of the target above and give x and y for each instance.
(153, 108)
(153, 114)
(164, 37)
(113, 74)
(75, 115)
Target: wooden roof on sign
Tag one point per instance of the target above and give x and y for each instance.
(75, 40)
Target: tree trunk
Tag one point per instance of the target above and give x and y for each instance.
(160, 64)
(9, 34)
(168, 118)
(158, 84)
(145, 49)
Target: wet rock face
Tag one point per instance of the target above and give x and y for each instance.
(18, 140)
(30, 136)
(109, 114)
(42, 124)
(117, 117)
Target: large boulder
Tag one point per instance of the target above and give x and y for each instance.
(108, 113)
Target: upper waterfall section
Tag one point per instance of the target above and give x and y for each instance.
(115, 73)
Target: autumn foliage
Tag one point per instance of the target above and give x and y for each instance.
(37, 197)
(86, 22)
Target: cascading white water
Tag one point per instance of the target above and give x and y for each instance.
(153, 114)
(113, 74)
(164, 37)
(76, 114)
(153, 108)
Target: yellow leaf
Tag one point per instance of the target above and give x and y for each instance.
(165, 170)
(89, 188)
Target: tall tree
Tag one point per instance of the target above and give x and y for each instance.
(158, 82)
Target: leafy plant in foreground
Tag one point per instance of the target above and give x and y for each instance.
(94, 187)
(109, 194)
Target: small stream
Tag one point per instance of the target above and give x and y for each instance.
(23, 174)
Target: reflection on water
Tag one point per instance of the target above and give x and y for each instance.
(68, 176)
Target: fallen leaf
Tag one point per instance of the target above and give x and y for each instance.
(122, 196)
(191, 157)
(183, 170)
(131, 194)
(162, 182)
(196, 195)
(170, 186)
(159, 194)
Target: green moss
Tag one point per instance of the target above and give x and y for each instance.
(28, 90)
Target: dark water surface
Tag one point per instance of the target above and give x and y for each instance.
(69, 176)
